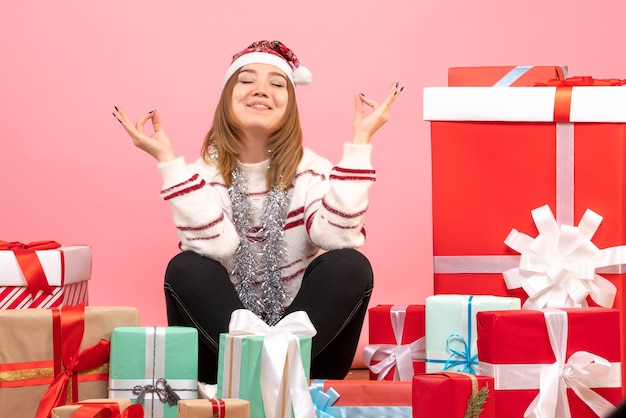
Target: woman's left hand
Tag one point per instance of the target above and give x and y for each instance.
(365, 125)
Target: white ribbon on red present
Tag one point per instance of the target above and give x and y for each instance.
(284, 385)
(564, 216)
(557, 269)
(400, 355)
(580, 372)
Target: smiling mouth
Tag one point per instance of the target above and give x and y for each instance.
(259, 106)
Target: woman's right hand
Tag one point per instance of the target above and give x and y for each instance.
(158, 144)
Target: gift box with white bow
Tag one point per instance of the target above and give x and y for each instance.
(552, 362)
(396, 349)
(500, 153)
(451, 329)
(269, 366)
(154, 367)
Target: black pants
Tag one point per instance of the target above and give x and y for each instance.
(335, 293)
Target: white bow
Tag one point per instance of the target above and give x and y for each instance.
(579, 373)
(283, 380)
(557, 269)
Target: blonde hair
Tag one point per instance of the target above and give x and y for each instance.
(285, 142)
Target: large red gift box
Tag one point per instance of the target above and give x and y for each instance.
(447, 395)
(499, 153)
(570, 353)
(504, 76)
(396, 336)
(43, 274)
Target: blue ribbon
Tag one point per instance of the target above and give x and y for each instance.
(465, 359)
(510, 77)
(322, 401)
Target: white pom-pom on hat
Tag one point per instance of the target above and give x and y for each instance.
(274, 53)
(302, 75)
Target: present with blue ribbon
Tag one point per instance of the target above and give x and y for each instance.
(451, 329)
(361, 398)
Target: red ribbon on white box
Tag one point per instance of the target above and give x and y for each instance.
(26, 257)
(399, 355)
(580, 372)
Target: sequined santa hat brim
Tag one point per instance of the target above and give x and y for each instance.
(274, 53)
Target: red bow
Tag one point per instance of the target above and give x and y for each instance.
(29, 263)
(68, 326)
(563, 97)
(583, 81)
(108, 410)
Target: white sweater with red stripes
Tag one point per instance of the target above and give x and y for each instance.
(326, 210)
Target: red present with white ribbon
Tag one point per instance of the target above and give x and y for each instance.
(556, 363)
(498, 153)
(43, 274)
(396, 349)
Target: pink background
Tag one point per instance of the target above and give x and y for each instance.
(70, 174)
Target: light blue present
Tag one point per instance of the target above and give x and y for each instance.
(451, 329)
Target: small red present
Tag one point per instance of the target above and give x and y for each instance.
(396, 349)
(504, 76)
(555, 361)
(452, 395)
(361, 398)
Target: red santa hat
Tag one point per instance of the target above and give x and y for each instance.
(274, 53)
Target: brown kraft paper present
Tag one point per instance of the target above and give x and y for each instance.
(27, 356)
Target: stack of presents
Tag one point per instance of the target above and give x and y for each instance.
(527, 318)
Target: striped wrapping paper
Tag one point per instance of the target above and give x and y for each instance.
(67, 270)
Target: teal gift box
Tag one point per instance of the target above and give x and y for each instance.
(241, 375)
(451, 329)
(154, 366)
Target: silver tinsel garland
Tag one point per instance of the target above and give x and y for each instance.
(263, 267)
